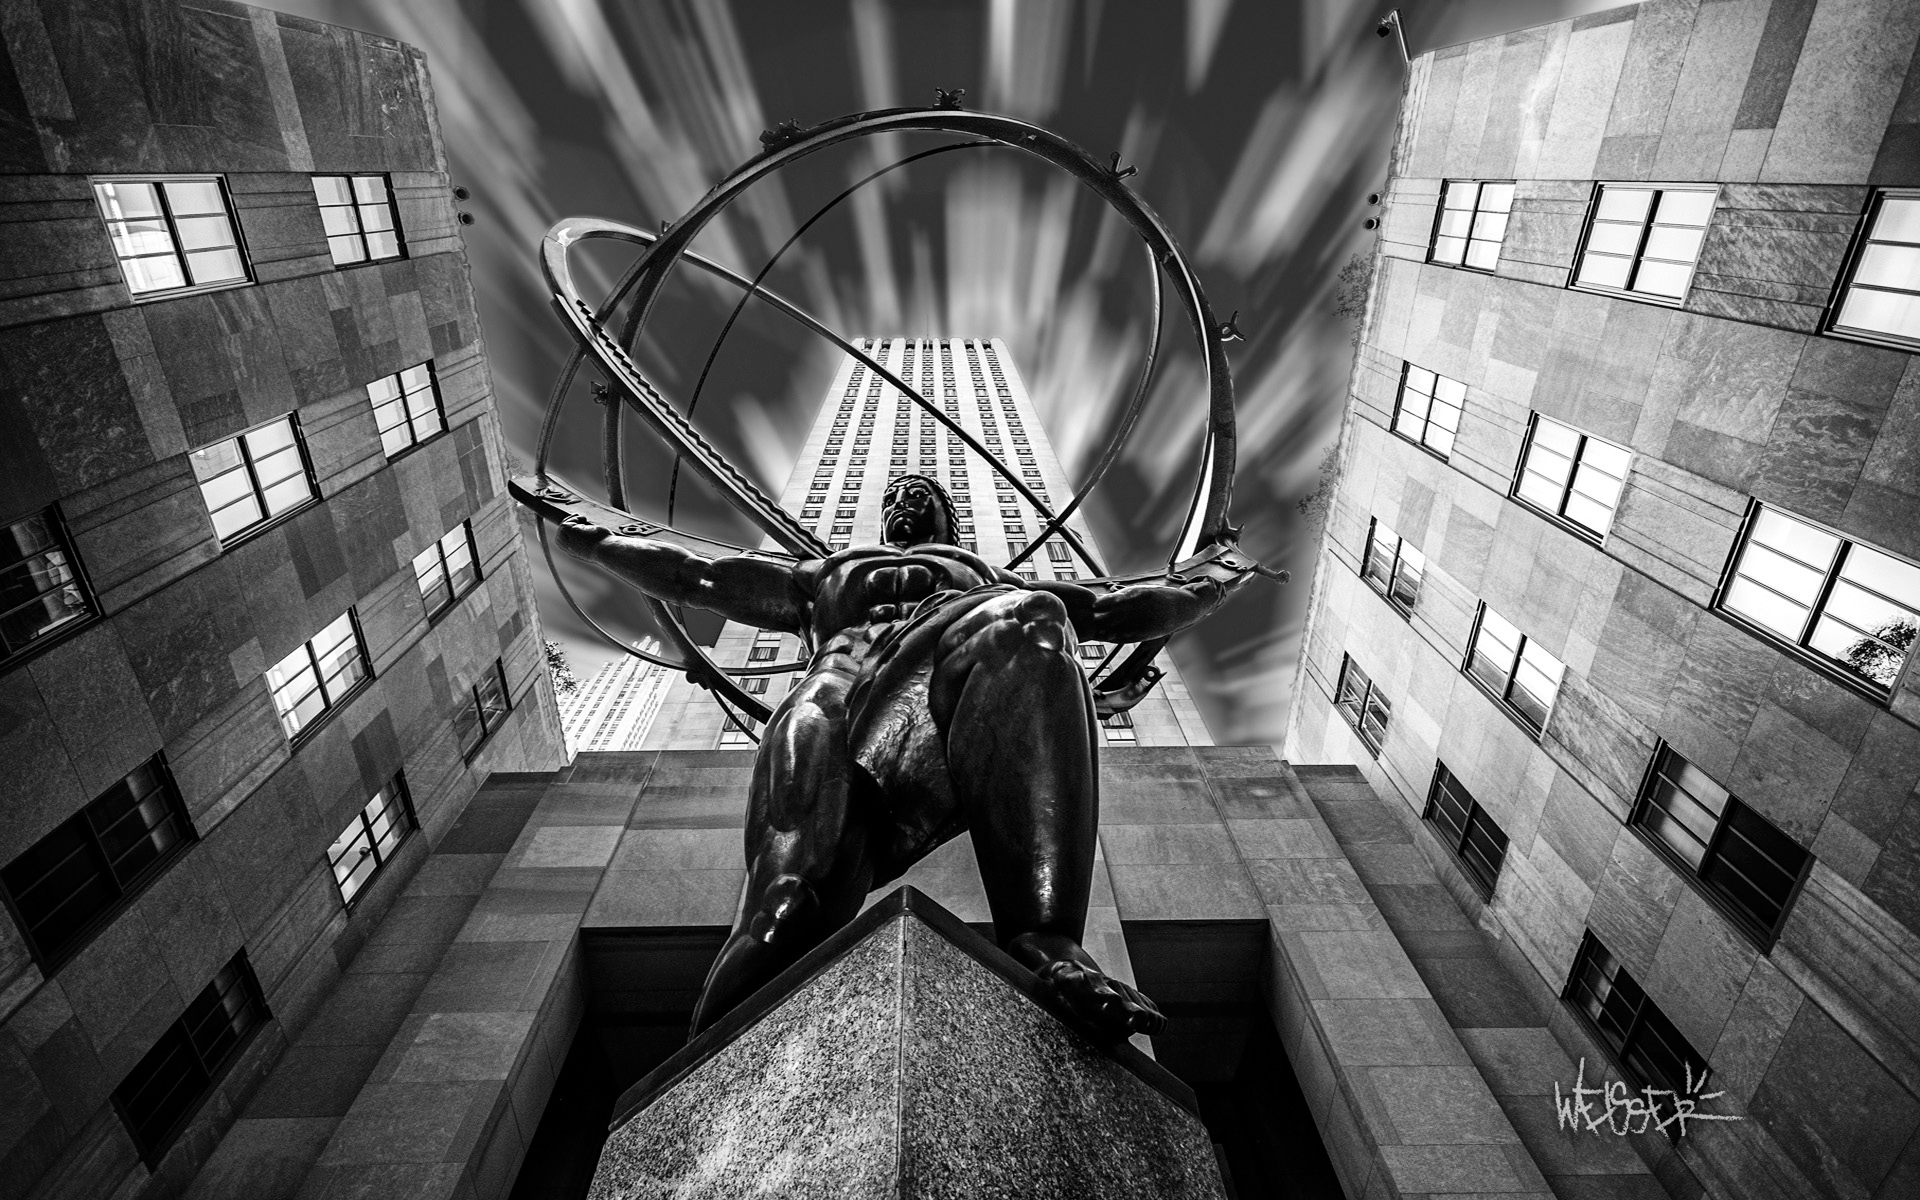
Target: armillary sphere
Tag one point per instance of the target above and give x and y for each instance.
(1205, 537)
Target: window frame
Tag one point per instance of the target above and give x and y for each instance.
(1857, 247)
(1645, 1012)
(1369, 693)
(173, 234)
(400, 400)
(452, 597)
(498, 672)
(1407, 368)
(1122, 723)
(355, 207)
(1558, 515)
(1474, 818)
(267, 520)
(1390, 590)
(1639, 255)
(401, 807)
(1473, 219)
(1503, 698)
(331, 704)
(61, 541)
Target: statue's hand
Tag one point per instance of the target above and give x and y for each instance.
(580, 537)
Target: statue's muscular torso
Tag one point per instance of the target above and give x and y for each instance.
(858, 592)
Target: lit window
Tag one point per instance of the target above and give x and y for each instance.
(1845, 603)
(1571, 475)
(67, 884)
(1427, 410)
(357, 212)
(1361, 703)
(484, 710)
(366, 845)
(1644, 239)
(446, 570)
(1392, 567)
(1732, 853)
(319, 675)
(171, 235)
(1469, 832)
(40, 590)
(1119, 729)
(166, 1086)
(406, 408)
(1881, 297)
(252, 478)
(1471, 223)
(1513, 669)
(1643, 1039)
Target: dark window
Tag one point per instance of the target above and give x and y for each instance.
(484, 710)
(1014, 545)
(172, 234)
(757, 685)
(366, 844)
(160, 1094)
(1392, 567)
(762, 653)
(1119, 728)
(1471, 223)
(1880, 298)
(1516, 671)
(357, 212)
(1845, 604)
(731, 735)
(1644, 1042)
(319, 675)
(406, 408)
(1733, 854)
(1427, 410)
(1467, 829)
(65, 886)
(250, 479)
(1058, 552)
(41, 591)
(447, 570)
(1362, 705)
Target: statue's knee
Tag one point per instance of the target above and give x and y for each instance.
(787, 904)
(1042, 620)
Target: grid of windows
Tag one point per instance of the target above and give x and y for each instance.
(1119, 729)
(1427, 411)
(1471, 223)
(1642, 1038)
(1732, 853)
(446, 570)
(1571, 475)
(1880, 298)
(1392, 567)
(1361, 703)
(1846, 604)
(167, 1085)
(483, 711)
(1644, 239)
(171, 234)
(64, 886)
(41, 592)
(357, 213)
(407, 408)
(319, 675)
(248, 480)
(1480, 844)
(1513, 669)
(369, 840)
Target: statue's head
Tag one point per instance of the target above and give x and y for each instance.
(916, 510)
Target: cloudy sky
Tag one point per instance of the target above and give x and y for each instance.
(1259, 128)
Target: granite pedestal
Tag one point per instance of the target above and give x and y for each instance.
(906, 1057)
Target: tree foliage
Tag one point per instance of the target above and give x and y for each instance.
(564, 684)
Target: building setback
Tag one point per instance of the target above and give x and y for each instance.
(266, 622)
(1616, 602)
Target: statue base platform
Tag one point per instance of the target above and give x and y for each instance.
(906, 1057)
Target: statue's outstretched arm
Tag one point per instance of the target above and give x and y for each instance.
(1141, 612)
(753, 591)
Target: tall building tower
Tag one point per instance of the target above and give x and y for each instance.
(868, 433)
(266, 623)
(1616, 607)
(614, 709)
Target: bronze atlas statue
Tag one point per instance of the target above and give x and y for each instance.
(942, 693)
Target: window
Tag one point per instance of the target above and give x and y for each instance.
(1058, 552)
(732, 735)
(319, 675)
(756, 685)
(167, 1085)
(65, 886)
(1063, 574)
(1467, 829)
(253, 478)
(446, 570)
(1644, 240)
(484, 710)
(762, 654)
(1362, 705)
(357, 212)
(1119, 729)
(1514, 670)
(1392, 567)
(1093, 651)
(1732, 854)
(1644, 1041)
(1880, 299)
(1014, 545)
(366, 844)
(1471, 223)
(41, 593)
(171, 235)
(1571, 475)
(809, 514)
(1846, 605)
(1026, 571)
(1427, 410)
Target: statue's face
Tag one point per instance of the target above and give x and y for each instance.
(914, 516)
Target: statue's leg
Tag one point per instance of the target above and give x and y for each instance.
(1019, 727)
(808, 861)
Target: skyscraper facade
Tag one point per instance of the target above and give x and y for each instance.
(867, 433)
(1616, 605)
(614, 709)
